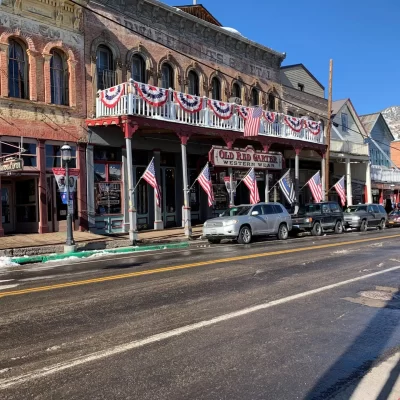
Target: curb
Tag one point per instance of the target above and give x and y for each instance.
(84, 254)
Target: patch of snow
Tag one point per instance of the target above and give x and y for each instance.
(72, 258)
(4, 370)
(5, 262)
(232, 30)
(53, 348)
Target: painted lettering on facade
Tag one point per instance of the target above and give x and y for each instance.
(201, 51)
(247, 158)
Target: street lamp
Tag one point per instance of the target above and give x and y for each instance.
(66, 156)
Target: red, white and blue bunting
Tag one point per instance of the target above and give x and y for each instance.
(152, 95)
(110, 97)
(220, 109)
(313, 126)
(188, 102)
(243, 112)
(296, 124)
(270, 116)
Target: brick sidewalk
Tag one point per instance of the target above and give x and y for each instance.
(35, 243)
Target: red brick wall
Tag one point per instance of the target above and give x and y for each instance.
(122, 42)
(36, 117)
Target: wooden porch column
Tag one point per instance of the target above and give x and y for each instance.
(82, 192)
(43, 220)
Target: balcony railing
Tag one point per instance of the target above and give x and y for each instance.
(346, 147)
(384, 174)
(132, 102)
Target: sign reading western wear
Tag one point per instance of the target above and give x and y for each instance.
(246, 158)
(12, 165)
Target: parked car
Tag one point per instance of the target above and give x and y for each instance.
(318, 217)
(362, 216)
(394, 218)
(245, 221)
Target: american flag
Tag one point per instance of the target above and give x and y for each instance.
(252, 124)
(287, 187)
(150, 177)
(251, 182)
(339, 186)
(205, 182)
(316, 187)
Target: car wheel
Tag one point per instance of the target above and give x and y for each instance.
(381, 225)
(283, 232)
(364, 226)
(316, 229)
(244, 235)
(214, 241)
(339, 227)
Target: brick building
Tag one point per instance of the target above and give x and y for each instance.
(153, 56)
(42, 105)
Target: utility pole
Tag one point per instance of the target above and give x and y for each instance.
(328, 131)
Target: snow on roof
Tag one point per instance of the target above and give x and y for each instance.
(232, 30)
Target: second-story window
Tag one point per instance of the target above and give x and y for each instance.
(271, 102)
(58, 78)
(193, 80)
(167, 76)
(17, 70)
(300, 86)
(254, 97)
(138, 71)
(236, 92)
(216, 89)
(105, 68)
(345, 122)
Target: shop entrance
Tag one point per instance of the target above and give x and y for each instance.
(142, 199)
(7, 202)
(168, 188)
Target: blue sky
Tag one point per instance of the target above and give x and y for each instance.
(361, 36)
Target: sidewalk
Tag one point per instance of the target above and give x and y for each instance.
(34, 244)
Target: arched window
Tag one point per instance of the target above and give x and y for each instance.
(138, 71)
(236, 90)
(58, 79)
(271, 102)
(194, 86)
(216, 89)
(167, 76)
(17, 70)
(254, 97)
(105, 68)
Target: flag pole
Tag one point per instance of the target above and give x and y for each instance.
(244, 177)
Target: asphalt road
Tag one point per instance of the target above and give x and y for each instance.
(301, 319)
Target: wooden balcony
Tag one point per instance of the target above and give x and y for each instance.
(128, 99)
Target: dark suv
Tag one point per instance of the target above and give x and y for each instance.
(318, 217)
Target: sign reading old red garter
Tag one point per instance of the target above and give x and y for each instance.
(244, 158)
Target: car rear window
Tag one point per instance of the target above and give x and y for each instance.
(278, 209)
(334, 207)
(376, 208)
(381, 209)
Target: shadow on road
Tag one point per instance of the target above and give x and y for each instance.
(370, 345)
(124, 265)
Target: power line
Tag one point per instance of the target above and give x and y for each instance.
(202, 62)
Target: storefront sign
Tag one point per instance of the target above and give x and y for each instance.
(16, 164)
(59, 174)
(247, 158)
(240, 174)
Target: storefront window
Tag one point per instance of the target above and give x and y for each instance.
(169, 186)
(53, 156)
(108, 188)
(25, 195)
(108, 198)
(29, 155)
(194, 195)
(142, 193)
(221, 196)
(107, 154)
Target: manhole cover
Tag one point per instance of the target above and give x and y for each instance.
(379, 295)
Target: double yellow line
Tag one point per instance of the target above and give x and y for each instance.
(186, 266)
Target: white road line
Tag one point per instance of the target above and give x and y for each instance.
(2, 287)
(99, 355)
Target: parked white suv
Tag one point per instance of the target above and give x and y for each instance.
(247, 220)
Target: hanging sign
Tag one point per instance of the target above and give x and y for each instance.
(227, 180)
(59, 175)
(246, 158)
(16, 164)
